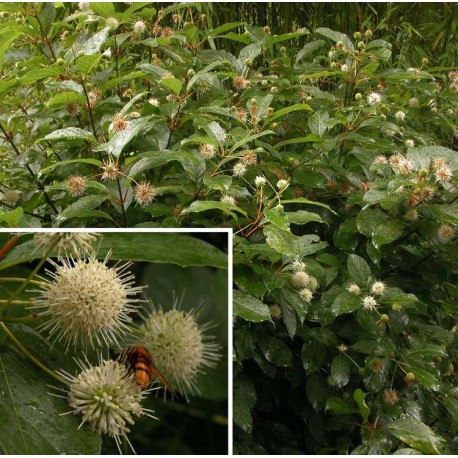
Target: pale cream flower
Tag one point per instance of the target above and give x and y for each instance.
(144, 193)
(378, 288)
(86, 302)
(179, 346)
(77, 244)
(369, 303)
(107, 397)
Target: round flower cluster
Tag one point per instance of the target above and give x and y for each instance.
(181, 348)
(86, 301)
(306, 283)
(75, 243)
(108, 398)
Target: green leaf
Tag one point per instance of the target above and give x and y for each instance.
(279, 219)
(90, 161)
(120, 139)
(39, 73)
(446, 213)
(340, 370)
(173, 248)
(318, 123)
(275, 351)
(286, 36)
(13, 217)
(86, 63)
(376, 224)
(360, 398)
(244, 399)
(340, 406)
(94, 43)
(345, 302)
(31, 420)
(104, 9)
(418, 435)
(284, 242)
(292, 297)
(205, 205)
(203, 72)
(292, 141)
(336, 36)
(358, 269)
(70, 133)
(287, 110)
(303, 217)
(303, 200)
(75, 210)
(66, 98)
(251, 138)
(174, 84)
(249, 308)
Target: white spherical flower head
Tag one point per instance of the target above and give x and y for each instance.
(306, 295)
(313, 284)
(154, 102)
(75, 243)
(410, 143)
(179, 348)
(282, 185)
(374, 98)
(301, 279)
(354, 288)
(239, 169)
(108, 398)
(11, 196)
(400, 115)
(228, 200)
(139, 27)
(298, 265)
(378, 288)
(260, 181)
(87, 302)
(369, 303)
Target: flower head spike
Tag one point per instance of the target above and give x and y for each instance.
(87, 302)
(374, 98)
(301, 279)
(369, 303)
(108, 398)
(144, 193)
(75, 243)
(354, 288)
(239, 169)
(207, 151)
(76, 185)
(110, 170)
(179, 347)
(378, 287)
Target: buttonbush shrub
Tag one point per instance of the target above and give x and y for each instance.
(334, 165)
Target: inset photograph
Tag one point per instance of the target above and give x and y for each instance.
(114, 343)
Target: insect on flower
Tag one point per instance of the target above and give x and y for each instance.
(139, 360)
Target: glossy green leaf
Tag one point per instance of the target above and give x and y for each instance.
(244, 399)
(345, 302)
(340, 370)
(70, 133)
(360, 398)
(287, 110)
(249, 308)
(31, 419)
(418, 435)
(340, 406)
(359, 269)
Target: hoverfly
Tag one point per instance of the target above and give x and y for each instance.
(140, 361)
